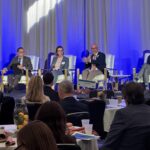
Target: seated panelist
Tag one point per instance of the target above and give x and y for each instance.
(97, 64)
(18, 64)
(145, 71)
(59, 63)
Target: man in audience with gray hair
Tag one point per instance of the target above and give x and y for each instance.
(68, 102)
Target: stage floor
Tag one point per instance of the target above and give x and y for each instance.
(16, 94)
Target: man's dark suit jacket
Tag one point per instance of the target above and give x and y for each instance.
(100, 61)
(26, 63)
(53, 95)
(71, 105)
(129, 129)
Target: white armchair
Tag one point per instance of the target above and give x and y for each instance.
(72, 65)
(110, 60)
(35, 64)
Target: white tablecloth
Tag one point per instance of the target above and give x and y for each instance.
(108, 117)
(84, 144)
(88, 144)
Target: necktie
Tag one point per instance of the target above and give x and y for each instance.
(19, 60)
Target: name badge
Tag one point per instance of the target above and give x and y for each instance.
(63, 63)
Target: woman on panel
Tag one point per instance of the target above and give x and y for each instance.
(59, 63)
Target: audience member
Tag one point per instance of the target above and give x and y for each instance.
(48, 83)
(7, 110)
(130, 128)
(1, 97)
(53, 115)
(36, 136)
(35, 93)
(68, 102)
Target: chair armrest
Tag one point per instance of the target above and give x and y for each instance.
(112, 69)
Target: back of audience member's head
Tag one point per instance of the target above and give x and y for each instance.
(53, 115)
(65, 88)
(48, 78)
(7, 110)
(35, 91)
(1, 97)
(36, 136)
(133, 93)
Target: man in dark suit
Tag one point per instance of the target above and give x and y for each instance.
(19, 64)
(68, 102)
(130, 129)
(48, 83)
(98, 63)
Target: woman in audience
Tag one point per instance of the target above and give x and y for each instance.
(35, 93)
(36, 136)
(35, 96)
(59, 63)
(130, 129)
(53, 115)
